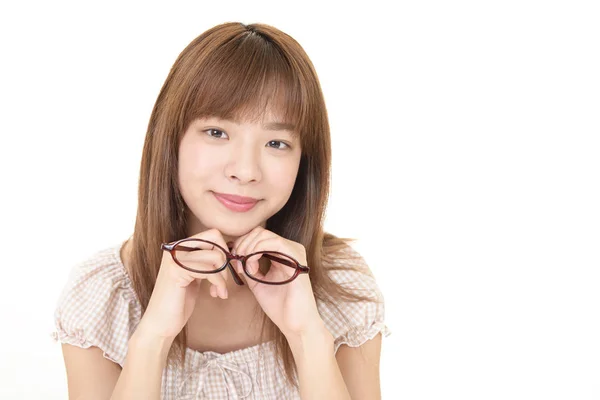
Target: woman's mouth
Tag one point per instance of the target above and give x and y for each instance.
(235, 202)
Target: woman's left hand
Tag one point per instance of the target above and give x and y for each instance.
(291, 306)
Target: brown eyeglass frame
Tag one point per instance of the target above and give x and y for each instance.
(170, 247)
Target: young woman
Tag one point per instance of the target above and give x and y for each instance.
(228, 288)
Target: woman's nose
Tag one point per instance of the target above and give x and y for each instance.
(244, 165)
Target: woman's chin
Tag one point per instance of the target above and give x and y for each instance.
(230, 233)
(230, 228)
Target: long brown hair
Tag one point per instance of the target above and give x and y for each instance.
(238, 71)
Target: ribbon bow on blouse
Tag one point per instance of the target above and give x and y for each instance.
(225, 367)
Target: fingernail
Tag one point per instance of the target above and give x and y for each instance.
(225, 293)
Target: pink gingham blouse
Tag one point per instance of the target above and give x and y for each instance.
(98, 307)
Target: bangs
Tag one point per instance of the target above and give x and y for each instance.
(247, 78)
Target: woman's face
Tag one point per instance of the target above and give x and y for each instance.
(251, 159)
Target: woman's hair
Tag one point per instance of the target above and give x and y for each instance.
(239, 72)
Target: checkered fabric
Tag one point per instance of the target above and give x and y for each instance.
(98, 307)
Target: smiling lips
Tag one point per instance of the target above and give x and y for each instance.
(236, 203)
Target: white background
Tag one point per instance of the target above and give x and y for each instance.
(466, 162)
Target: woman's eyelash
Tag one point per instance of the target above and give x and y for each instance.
(221, 133)
(214, 130)
(287, 146)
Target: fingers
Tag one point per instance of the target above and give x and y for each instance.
(218, 291)
(259, 243)
(205, 259)
(254, 245)
(218, 281)
(200, 258)
(213, 235)
(243, 243)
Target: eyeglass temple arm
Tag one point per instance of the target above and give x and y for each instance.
(286, 262)
(187, 248)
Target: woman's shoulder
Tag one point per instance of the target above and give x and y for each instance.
(353, 308)
(346, 266)
(97, 305)
(101, 271)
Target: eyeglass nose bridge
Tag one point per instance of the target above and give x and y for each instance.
(236, 257)
(230, 257)
(236, 278)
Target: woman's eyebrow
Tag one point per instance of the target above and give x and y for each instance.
(269, 126)
(278, 126)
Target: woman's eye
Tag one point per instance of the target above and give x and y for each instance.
(278, 144)
(215, 133)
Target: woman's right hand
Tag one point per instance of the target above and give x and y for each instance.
(176, 289)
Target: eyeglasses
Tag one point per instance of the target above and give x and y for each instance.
(186, 253)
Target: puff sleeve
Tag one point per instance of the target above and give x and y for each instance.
(98, 307)
(354, 323)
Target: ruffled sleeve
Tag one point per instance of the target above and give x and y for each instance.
(98, 307)
(354, 323)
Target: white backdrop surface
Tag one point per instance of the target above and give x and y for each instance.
(465, 144)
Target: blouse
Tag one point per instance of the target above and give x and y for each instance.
(98, 307)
